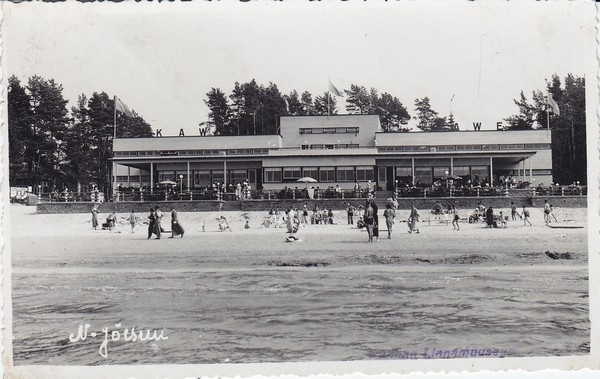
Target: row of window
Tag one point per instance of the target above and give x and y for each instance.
(527, 146)
(162, 153)
(321, 174)
(328, 130)
(330, 146)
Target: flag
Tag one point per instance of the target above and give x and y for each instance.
(334, 90)
(553, 105)
(121, 107)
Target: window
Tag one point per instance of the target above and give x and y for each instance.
(146, 153)
(345, 174)
(365, 173)
(403, 171)
(272, 175)
(468, 147)
(291, 173)
(537, 146)
(134, 178)
(351, 130)
(317, 146)
(201, 178)
(238, 176)
(512, 147)
(462, 171)
(311, 172)
(305, 130)
(329, 130)
(541, 172)
(121, 178)
(327, 174)
(445, 148)
(423, 175)
(217, 176)
(440, 172)
(381, 174)
(166, 175)
(490, 147)
(169, 152)
(482, 172)
(178, 173)
(125, 153)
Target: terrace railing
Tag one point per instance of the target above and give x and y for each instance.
(328, 193)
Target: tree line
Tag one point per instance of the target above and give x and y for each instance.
(568, 125)
(54, 147)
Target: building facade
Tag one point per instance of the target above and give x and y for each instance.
(336, 151)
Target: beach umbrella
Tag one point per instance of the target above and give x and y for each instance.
(167, 182)
(307, 179)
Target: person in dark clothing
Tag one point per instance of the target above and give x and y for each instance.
(151, 223)
(375, 220)
(489, 217)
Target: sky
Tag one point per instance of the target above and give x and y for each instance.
(469, 58)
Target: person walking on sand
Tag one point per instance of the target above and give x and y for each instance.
(157, 221)
(525, 214)
(95, 217)
(412, 220)
(513, 211)
(132, 220)
(455, 219)
(369, 220)
(546, 212)
(151, 222)
(176, 228)
(389, 215)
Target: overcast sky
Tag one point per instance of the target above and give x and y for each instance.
(161, 59)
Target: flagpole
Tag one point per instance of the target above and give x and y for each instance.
(328, 95)
(115, 118)
(547, 114)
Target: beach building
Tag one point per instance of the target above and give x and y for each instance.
(336, 151)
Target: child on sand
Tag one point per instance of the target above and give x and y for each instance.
(525, 217)
(132, 220)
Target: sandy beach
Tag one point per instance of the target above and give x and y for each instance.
(247, 295)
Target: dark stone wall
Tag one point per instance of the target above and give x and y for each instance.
(128, 206)
(335, 204)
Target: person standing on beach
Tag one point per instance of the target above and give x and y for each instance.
(369, 220)
(151, 222)
(176, 228)
(375, 219)
(350, 211)
(412, 220)
(132, 220)
(489, 217)
(389, 215)
(157, 219)
(513, 211)
(94, 217)
(526, 217)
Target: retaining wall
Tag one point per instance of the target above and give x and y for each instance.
(335, 204)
